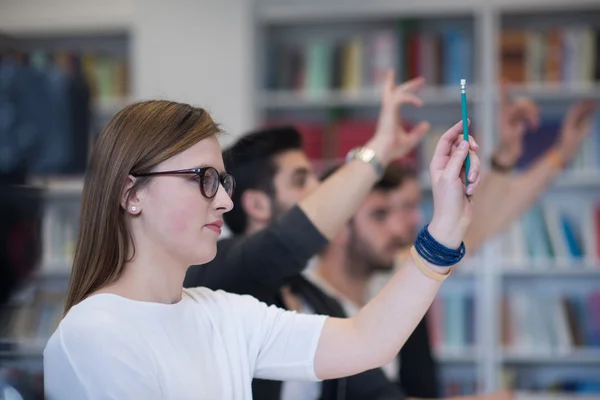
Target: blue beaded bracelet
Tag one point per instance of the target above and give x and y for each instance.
(436, 253)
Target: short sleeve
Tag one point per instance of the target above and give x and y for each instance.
(86, 360)
(282, 343)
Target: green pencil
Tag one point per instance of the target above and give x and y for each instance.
(463, 98)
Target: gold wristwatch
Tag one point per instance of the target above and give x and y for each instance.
(368, 156)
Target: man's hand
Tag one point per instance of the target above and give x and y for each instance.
(575, 128)
(516, 117)
(391, 141)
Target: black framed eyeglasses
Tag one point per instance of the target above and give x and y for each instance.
(208, 179)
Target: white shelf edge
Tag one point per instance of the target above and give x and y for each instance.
(528, 395)
(578, 179)
(432, 96)
(60, 186)
(456, 356)
(587, 356)
(534, 269)
(22, 348)
(319, 11)
(557, 91)
(306, 11)
(109, 107)
(287, 99)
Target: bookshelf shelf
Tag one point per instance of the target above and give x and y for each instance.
(310, 11)
(21, 348)
(558, 274)
(50, 274)
(432, 96)
(107, 107)
(365, 98)
(578, 179)
(456, 356)
(60, 187)
(572, 270)
(558, 91)
(577, 357)
(522, 395)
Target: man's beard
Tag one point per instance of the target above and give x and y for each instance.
(364, 261)
(277, 210)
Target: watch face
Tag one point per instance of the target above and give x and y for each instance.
(367, 154)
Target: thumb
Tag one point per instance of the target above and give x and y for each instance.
(454, 166)
(414, 137)
(420, 129)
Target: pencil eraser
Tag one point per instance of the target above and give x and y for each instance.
(463, 81)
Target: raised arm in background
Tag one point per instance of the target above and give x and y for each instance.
(503, 197)
(284, 248)
(386, 322)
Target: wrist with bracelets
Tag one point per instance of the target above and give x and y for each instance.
(428, 249)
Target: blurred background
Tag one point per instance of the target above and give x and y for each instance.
(525, 317)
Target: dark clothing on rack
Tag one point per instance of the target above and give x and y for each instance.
(260, 265)
(45, 118)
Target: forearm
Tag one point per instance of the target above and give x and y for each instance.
(501, 200)
(375, 335)
(340, 196)
(487, 205)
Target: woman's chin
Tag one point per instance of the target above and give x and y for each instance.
(207, 254)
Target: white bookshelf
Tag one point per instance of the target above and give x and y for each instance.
(273, 100)
(456, 356)
(495, 271)
(576, 357)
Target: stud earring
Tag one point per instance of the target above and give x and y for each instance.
(134, 208)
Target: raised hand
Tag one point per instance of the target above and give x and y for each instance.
(391, 140)
(452, 209)
(575, 128)
(515, 117)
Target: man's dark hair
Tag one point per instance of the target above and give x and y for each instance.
(394, 176)
(251, 161)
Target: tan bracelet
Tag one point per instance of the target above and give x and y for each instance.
(554, 158)
(427, 271)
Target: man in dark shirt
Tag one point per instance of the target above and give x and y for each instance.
(386, 223)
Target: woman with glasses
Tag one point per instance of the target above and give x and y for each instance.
(153, 200)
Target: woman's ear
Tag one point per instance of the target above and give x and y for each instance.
(257, 205)
(130, 200)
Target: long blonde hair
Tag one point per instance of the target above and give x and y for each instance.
(137, 138)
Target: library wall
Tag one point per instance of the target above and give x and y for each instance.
(318, 65)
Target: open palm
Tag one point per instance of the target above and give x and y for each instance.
(391, 135)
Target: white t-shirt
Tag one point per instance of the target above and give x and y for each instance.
(297, 389)
(207, 346)
(351, 309)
